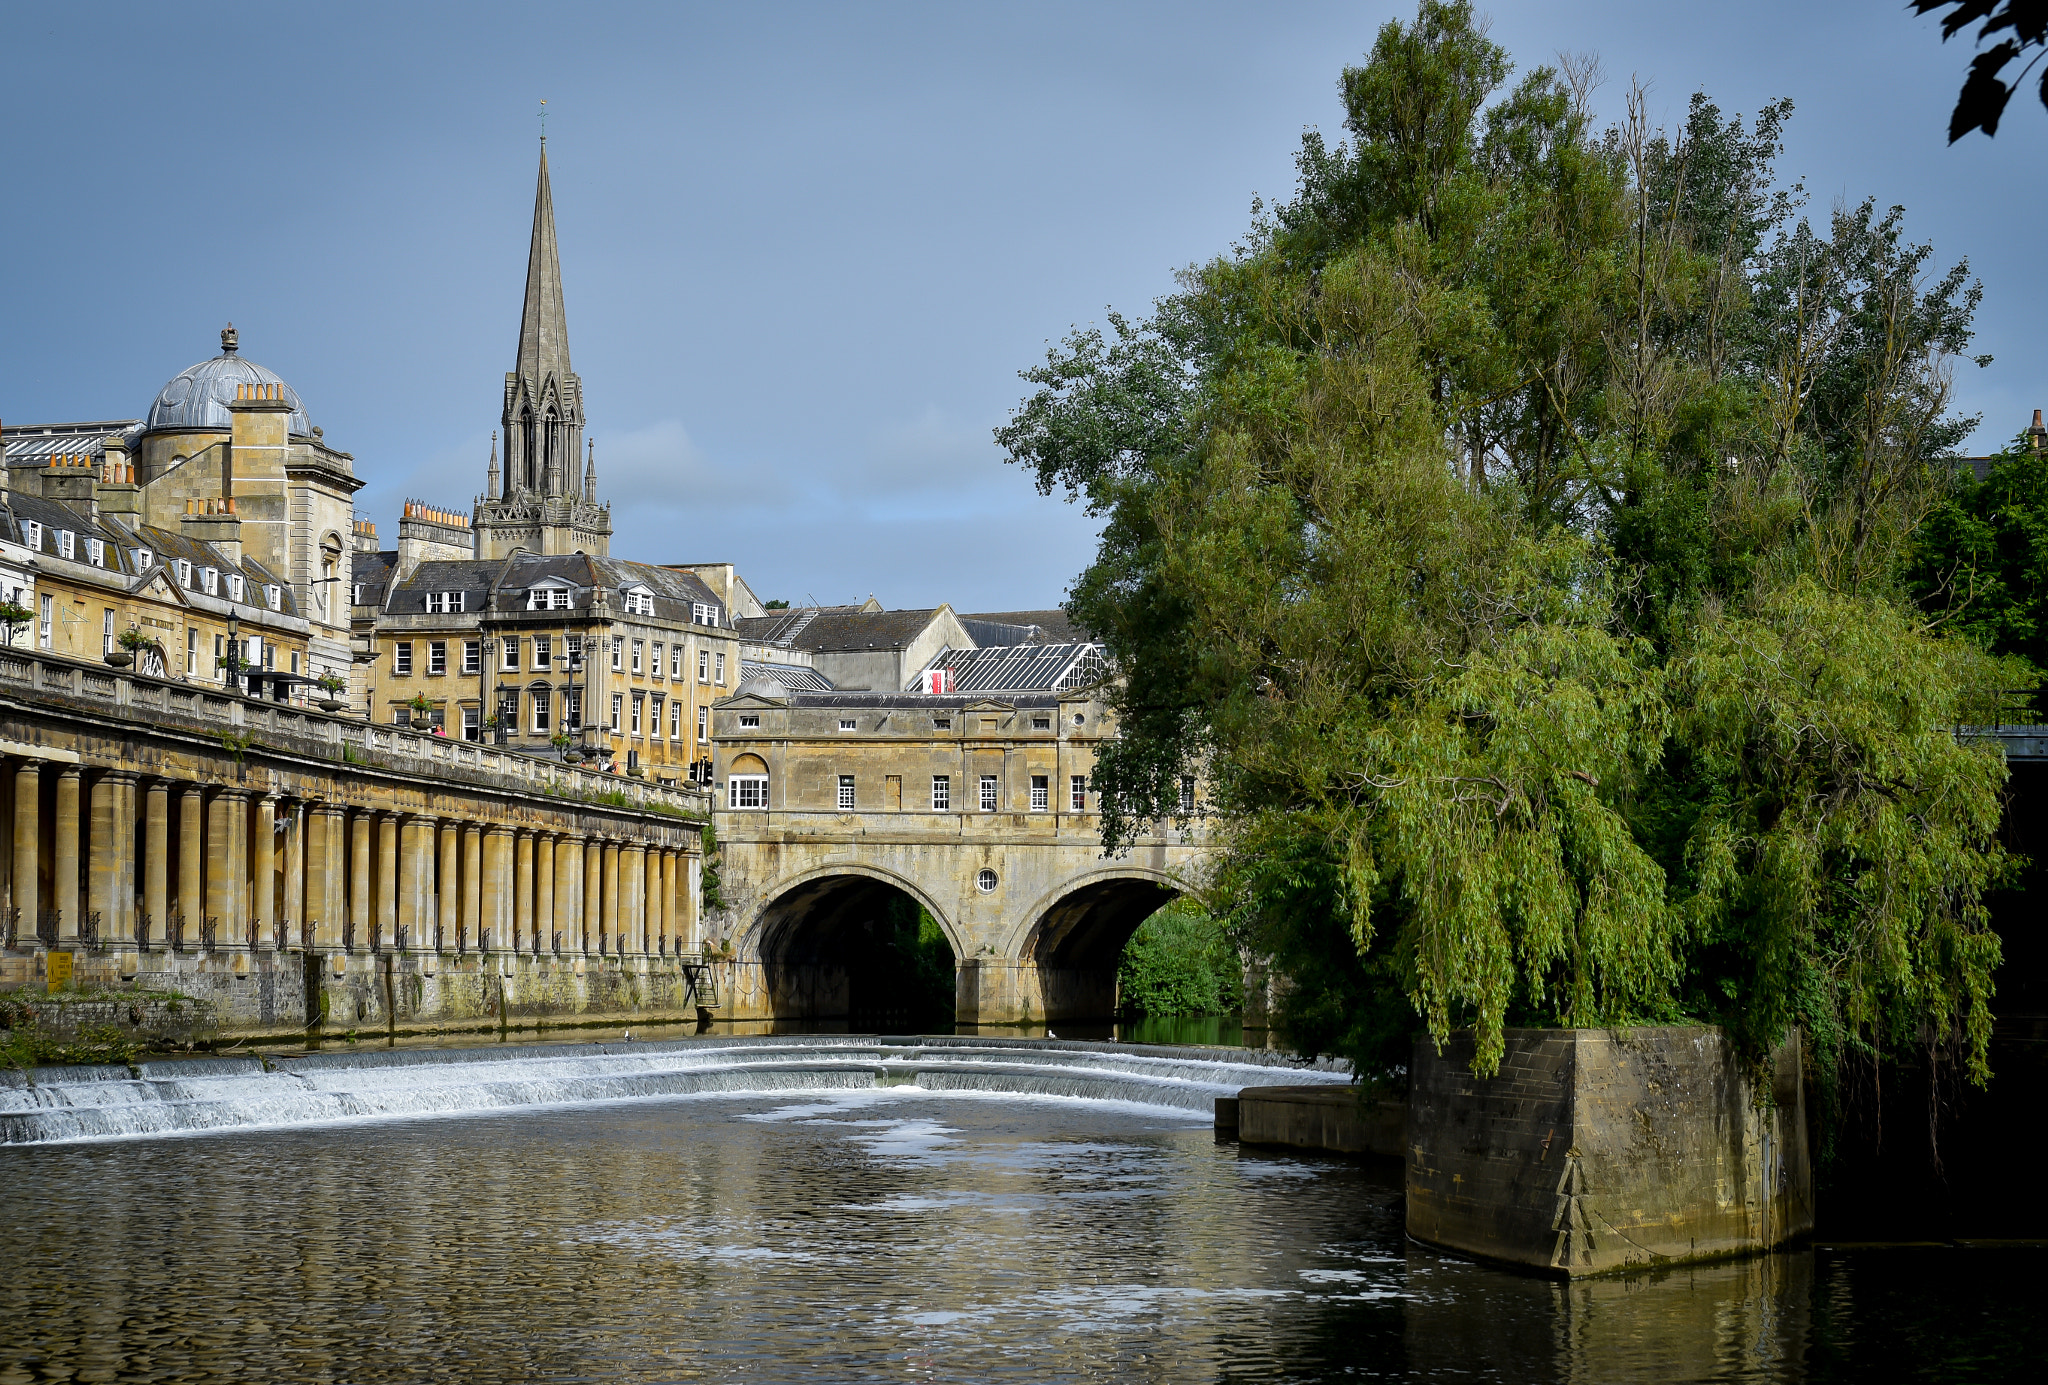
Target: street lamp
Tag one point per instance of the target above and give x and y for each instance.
(234, 659)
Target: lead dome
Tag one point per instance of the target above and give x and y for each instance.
(197, 397)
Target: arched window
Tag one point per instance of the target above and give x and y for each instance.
(747, 783)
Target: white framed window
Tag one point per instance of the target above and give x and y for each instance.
(845, 793)
(144, 560)
(703, 666)
(654, 661)
(1041, 793)
(747, 719)
(572, 708)
(618, 653)
(639, 655)
(356, 594)
(543, 652)
(67, 544)
(107, 632)
(703, 614)
(472, 723)
(508, 656)
(572, 649)
(720, 679)
(209, 580)
(704, 724)
(639, 705)
(236, 588)
(749, 790)
(639, 601)
(846, 723)
(942, 793)
(447, 601)
(542, 710)
(191, 650)
(1078, 793)
(548, 599)
(401, 659)
(618, 709)
(437, 656)
(185, 573)
(32, 534)
(273, 596)
(1187, 794)
(988, 793)
(96, 552)
(675, 721)
(675, 661)
(985, 881)
(472, 656)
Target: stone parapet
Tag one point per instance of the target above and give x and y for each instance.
(1597, 1150)
(1334, 1120)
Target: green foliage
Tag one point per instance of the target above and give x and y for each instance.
(713, 861)
(774, 605)
(1180, 961)
(1981, 559)
(1513, 531)
(907, 977)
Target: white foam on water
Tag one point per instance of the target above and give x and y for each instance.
(199, 1096)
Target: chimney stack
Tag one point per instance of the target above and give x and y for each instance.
(2037, 435)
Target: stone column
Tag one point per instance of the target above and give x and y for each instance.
(102, 862)
(316, 918)
(291, 907)
(668, 901)
(566, 851)
(544, 893)
(220, 899)
(387, 880)
(28, 848)
(263, 869)
(608, 937)
(126, 872)
(65, 868)
(361, 891)
(657, 916)
(412, 887)
(633, 896)
(234, 920)
(156, 857)
(522, 887)
(472, 883)
(593, 893)
(448, 899)
(191, 863)
(497, 891)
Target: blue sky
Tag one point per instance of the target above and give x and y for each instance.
(806, 248)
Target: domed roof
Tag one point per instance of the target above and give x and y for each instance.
(198, 397)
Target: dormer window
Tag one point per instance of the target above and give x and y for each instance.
(235, 586)
(356, 596)
(639, 601)
(273, 596)
(703, 613)
(184, 572)
(209, 578)
(548, 599)
(32, 534)
(67, 544)
(444, 602)
(96, 552)
(144, 560)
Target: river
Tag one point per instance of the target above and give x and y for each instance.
(863, 1212)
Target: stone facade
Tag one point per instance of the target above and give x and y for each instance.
(1596, 1150)
(978, 808)
(297, 869)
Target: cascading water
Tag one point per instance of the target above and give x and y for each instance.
(52, 1105)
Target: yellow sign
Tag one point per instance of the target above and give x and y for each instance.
(60, 969)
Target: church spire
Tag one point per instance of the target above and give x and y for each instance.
(543, 327)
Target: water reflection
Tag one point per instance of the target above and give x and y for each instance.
(876, 1234)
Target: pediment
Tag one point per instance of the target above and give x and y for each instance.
(748, 702)
(988, 704)
(158, 584)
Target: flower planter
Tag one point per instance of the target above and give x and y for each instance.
(332, 704)
(120, 658)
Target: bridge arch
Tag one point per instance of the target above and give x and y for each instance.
(825, 940)
(1074, 935)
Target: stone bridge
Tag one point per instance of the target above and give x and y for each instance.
(1006, 863)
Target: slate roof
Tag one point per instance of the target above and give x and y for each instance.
(372, 571)
(41, 441)
(470, 576)
(1052, 627)
(916, 702)
(838, 628)
(121, 542)
(1021, 668)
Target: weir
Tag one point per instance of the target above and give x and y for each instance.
(192, 1096)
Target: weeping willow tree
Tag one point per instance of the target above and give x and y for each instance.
(1511, 530)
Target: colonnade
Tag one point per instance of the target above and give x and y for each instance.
(112, 860)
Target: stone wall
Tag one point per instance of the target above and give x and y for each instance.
(1597, 1150)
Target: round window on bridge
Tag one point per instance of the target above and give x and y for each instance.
(986, 882)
